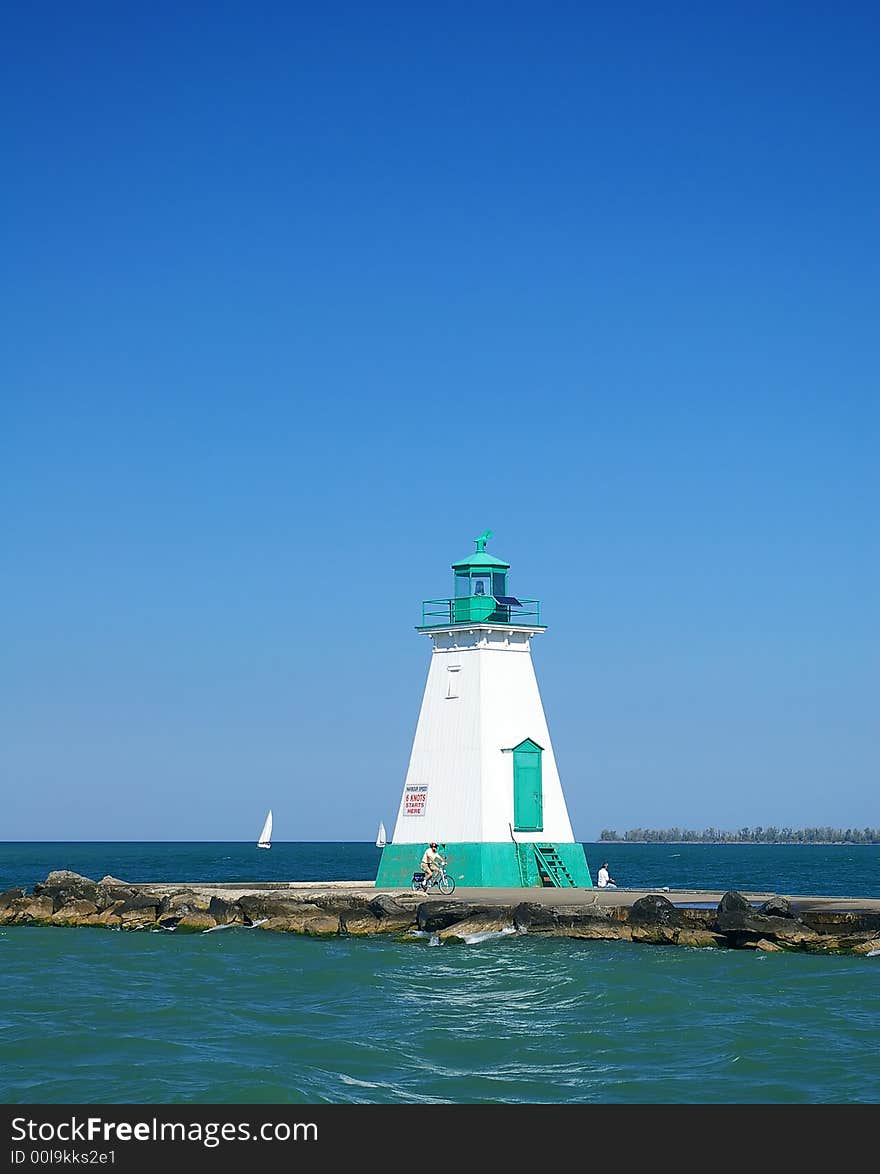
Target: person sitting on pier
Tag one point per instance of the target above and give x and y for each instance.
(431, 860)
(604, 879)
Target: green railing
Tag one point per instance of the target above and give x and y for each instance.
(480, 609)
(550, 865)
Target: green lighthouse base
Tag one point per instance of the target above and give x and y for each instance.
(492, 866)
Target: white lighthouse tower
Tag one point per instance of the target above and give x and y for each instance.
(482, 779)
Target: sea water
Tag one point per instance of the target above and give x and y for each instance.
(244, 1016)
(835, 870)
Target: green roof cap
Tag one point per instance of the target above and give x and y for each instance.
(481, 558)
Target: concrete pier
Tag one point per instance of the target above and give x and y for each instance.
(609, 898)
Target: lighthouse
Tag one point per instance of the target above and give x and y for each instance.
(482, 779)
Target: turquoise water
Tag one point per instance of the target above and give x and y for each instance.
(243, 1016)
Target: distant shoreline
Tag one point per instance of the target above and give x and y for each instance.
(749, 843)
(779, 835)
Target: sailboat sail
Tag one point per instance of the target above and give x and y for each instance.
(380, 838)
(265, 840)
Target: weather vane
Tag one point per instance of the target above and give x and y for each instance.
(482, 540)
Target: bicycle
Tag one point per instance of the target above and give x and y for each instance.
(439, 880)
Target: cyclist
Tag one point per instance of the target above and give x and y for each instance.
(431, 863)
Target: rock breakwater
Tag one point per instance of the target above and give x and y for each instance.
(68, 899)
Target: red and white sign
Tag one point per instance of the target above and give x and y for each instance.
(415, 796)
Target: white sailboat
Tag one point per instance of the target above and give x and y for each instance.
(380, 838)
(265, 840)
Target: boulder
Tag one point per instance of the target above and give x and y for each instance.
(733, 904)
(341, 904)
(744, 925)
(31, 910)
(9, 904)
(589, 921)
(595, 929)
(368, 925)
(858, 943)
(534, 917)
(142, 918)
(307, 919)
(182, 902)
(9, 896)
(474, 925)
(64, 886)
(99, 919)
(256, 907)
(140, 903)
(105, 917)
(195, 922)
(110, 891)
(388, 906)
(674, 935)
(796, 937)
(656, 910)
(383, 914)
(776, 907)
(75, 913)
(434, 916)
(655, 934)
(531, 917)
(700, 939)
(224, 912)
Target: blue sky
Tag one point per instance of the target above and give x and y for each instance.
(299, 299)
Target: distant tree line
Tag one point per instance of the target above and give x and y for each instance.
(756, 835)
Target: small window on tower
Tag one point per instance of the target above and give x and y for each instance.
(452, 680)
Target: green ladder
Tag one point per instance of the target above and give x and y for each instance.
(551, 870)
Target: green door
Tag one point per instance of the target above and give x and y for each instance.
(528, 804)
